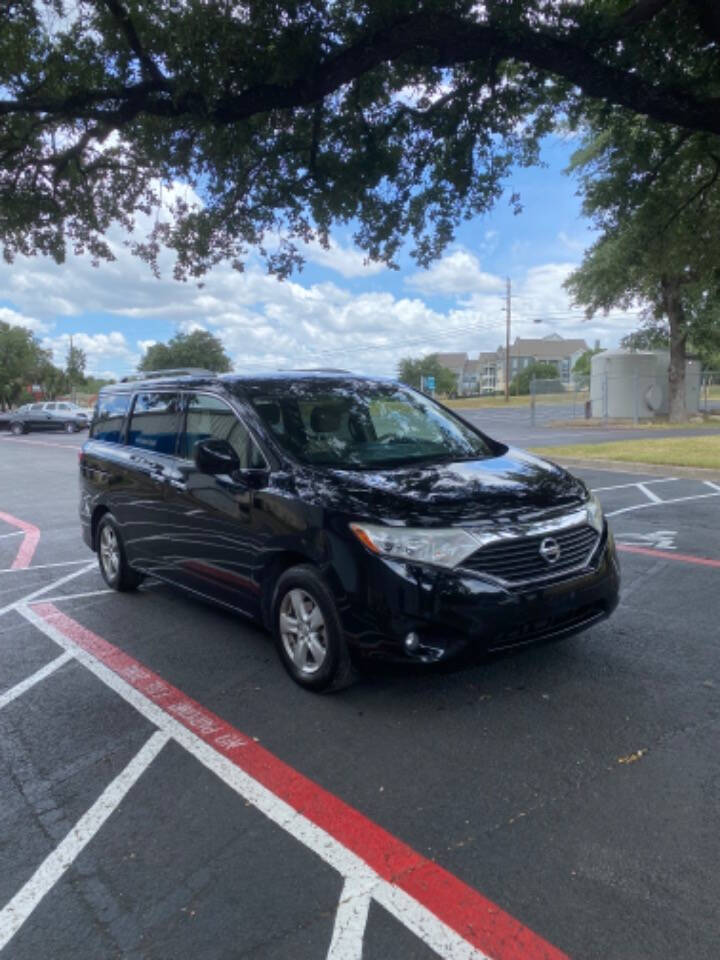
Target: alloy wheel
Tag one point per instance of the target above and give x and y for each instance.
(109, 552)
(303, 631)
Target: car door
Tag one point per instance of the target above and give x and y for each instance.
(38, 417)
(217, 526)
(150, 456)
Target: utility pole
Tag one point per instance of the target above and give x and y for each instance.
(507, 341)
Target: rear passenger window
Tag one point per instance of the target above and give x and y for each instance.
(209, 417)
(109, 415)
(155, 422)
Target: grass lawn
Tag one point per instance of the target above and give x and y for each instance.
(669, 451)
(478, 403)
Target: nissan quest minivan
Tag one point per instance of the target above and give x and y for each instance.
(349, 515)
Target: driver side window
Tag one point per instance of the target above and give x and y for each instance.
(209, 417)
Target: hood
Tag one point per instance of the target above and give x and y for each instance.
(516, 485)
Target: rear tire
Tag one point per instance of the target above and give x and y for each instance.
(307, 631)
(70, 427)
(112, 560)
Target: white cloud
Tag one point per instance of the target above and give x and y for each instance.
(264, 323)
(574, 244)
(103, 351)
(16, 319)
(458, 272)
(348, 261)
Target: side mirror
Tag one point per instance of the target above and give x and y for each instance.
(215, 457)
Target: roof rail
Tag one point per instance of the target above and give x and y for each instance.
(174, 372)
(315, 370)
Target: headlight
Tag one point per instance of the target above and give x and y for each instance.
(594, 513)
(445, 548)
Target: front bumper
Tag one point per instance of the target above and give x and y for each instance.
(452, 611)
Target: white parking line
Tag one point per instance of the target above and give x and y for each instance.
(14, 692)
(15, 533)
(77, 596)
(714, 486)
(350, 922)
(648, 493)
(625, 486)
(46, 589)
(17, 910)
(661, 503)
(43, 566)
(438, 935)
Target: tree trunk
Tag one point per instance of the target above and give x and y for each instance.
(678, 342)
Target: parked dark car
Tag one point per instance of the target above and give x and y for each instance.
(349, 515)
(48, 415)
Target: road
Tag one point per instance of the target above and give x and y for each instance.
(166, 792)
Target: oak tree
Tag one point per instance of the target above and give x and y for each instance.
(653, 191)
(271, 119)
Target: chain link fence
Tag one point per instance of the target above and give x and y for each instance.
(606, 397)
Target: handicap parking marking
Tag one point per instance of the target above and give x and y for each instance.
(451, 918)
(657, 539)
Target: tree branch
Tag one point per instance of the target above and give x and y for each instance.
(122, 18)
(447, 39)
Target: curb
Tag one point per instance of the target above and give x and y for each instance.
(631, 466)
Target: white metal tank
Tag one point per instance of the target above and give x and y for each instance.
(622, 384)
(628, 384)
(692, 383)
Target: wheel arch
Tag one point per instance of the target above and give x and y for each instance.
(97, 515)
(272, 573)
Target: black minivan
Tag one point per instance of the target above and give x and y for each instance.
(350, 515)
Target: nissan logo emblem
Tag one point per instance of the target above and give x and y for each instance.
(550, 550)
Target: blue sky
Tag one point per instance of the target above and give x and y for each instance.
(337, 311)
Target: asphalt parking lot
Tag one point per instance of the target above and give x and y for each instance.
(514, 426)
(166, 792)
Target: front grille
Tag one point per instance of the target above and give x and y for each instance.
(519, 559)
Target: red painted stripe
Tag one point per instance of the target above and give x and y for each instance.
(30, 541)
(475, 918)
(669, 555)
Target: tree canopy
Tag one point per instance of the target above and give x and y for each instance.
(653, 191)
(24, 362)
(279, 118)
(196, 349)
(583, 363)
(413, 372)
(545, 375)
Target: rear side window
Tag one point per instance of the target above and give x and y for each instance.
(155, 422)
(109, 416)
(209, 417)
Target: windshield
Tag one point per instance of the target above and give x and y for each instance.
(357, 424)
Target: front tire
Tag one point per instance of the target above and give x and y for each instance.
(307, 631)
(70, 427)
(112, 560)
(17, 429)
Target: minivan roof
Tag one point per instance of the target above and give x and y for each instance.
(195, 379)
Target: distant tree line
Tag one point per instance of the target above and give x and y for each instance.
(24, 362)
